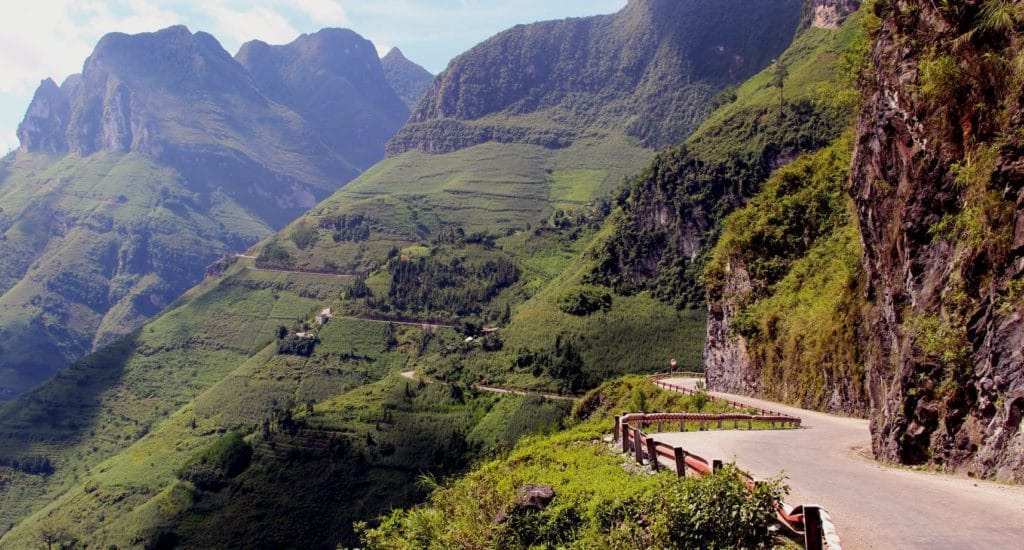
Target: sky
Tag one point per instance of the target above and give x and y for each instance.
(52, 38)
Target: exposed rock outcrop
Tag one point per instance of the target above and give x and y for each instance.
(938, 181)
(828, 14)
(46, 120)
(726, 359)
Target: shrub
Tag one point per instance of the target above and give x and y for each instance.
(585, 300)
(294, 345)
(274, 255)
(211, 468)
(304, 237)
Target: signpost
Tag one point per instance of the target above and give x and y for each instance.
(672, 365)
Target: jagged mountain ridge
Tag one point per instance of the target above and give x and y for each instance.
(164, 154)
(648, 70)
(335, 82)
(409, 80)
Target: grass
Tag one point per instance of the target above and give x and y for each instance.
(597, 499)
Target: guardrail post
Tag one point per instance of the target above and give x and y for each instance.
(652, 453)
(750, 424)
(735, 423)
(682, 425)
(615, 432)
(719, 423)
(812, 528)
(716, 465)
(638, 448)
(659, 427)
(680, 456)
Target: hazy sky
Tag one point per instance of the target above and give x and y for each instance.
(51, 38)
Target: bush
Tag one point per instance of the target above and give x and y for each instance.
(294, 345)
(273, 255)
(211, 468)
(585, 300)
(304, 237)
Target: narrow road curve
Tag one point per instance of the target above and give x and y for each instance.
(874, 506)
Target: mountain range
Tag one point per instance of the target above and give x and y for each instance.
(162, 156)
(804, 199)
(476, 216)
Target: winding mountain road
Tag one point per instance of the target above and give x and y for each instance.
(828, 462)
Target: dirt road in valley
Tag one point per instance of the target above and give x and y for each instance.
(411, 375)
(828, 462)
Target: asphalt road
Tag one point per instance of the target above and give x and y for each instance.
(828, 462)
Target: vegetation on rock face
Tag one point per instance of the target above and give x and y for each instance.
(935, 181)
(672, 210)
(786, 279)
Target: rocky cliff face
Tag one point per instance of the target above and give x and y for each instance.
(827, 14)
(938, 181)
(46, 119)
(625, 71)
(273, 126)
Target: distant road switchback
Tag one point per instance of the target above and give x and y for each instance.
(874, 506)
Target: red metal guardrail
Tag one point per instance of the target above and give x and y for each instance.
(811, 522)
(690, 391)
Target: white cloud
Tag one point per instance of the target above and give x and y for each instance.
(45, 38)
(322, 12)
(243, 25)
(8, 141)
(382, 49)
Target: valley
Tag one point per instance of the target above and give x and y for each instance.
(307, 296)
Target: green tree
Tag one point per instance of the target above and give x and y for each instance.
(781, 73)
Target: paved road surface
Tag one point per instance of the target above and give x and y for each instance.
(828, 463)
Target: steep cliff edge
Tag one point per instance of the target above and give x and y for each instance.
(937, 178)
(649, 70)
(670, 219)
(785, 285)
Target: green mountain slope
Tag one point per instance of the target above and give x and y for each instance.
(162, 156)
(493, 233)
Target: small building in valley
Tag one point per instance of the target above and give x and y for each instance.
(324, 316)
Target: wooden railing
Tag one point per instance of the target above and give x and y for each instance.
(810, 522)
